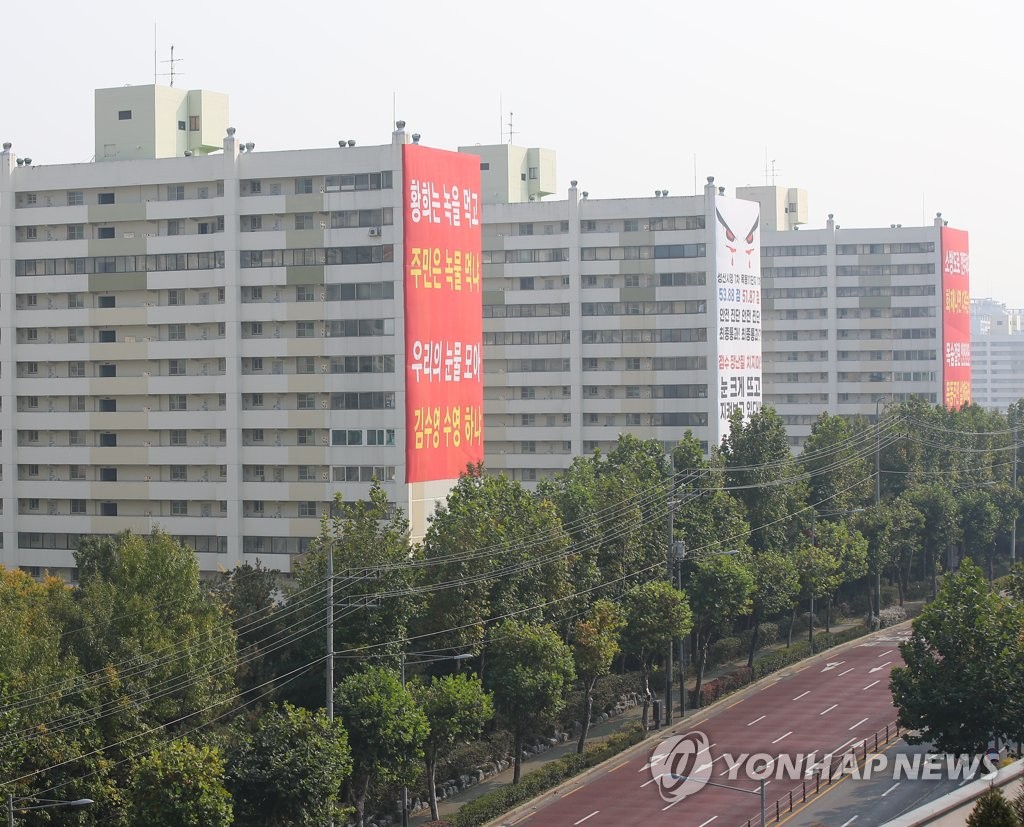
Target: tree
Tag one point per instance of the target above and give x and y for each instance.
(776, 585)
(595, 642)
(849, 548)
(819, 573)
(839, 471)
(655, 613)
(961, 660)
(499, 549)
(758, 463)
(992, 810)
(456, 708)
(370, 544)
(721, 588)
(386, 732)
(287, 766)
(530, 670)
(180, 784)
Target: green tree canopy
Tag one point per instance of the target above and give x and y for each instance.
(456, 707)
(529, 671)
(386, 732)
(595, 642)
(960, 665)
(180, 784)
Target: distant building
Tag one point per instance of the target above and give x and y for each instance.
(997, 350)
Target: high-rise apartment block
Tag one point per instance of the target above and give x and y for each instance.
(214, 340)
(217, 343)
(997, 352)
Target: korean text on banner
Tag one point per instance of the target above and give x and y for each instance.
(738, 304)
(956, 319)
(443, 312)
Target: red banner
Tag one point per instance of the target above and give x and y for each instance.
(444, 396)
(956, 319)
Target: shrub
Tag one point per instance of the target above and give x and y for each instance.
(767, 636)
(992, 810)
(718, 687)
(891, 615)
(723, 650)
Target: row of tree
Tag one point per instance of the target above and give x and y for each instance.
(536, 592)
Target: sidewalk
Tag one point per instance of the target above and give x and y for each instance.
(448, 807)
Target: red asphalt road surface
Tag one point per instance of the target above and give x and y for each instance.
(826, 706)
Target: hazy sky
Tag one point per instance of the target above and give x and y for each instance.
(884, 111)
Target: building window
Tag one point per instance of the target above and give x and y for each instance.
(177, 402)
(75, 198)
(305, 436)
(484, 166)
(304, 221)
(105, 198)
(175, 367)
(307, 509)
(78, 506)
(174, 226)
(108, 509)
(304, 293)
(179, 473)
(76, 472)
(179, 508)
(76, 232)
(76, 334)
(305, 401)
(304, 330)
(76, 404)
(303, 186)
(76, 369)
(104, 232)
(193, 123)
(307, 473)
(124, 114)
(176, 332)
(182, 126)
(177, 437)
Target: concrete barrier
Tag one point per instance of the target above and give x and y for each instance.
(952, 809)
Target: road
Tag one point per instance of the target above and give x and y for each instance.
(824, 705)
(869, 802)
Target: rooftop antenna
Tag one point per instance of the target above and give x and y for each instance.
(501, 119)
(769, 171)
(172, 61)
(156, 63)
(511, 131)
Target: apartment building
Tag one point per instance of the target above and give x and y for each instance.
(997, 352)
(214, 342)
(603, 316)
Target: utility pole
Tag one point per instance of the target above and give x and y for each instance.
(671, 643)
(330, 638)
(814, 545)
(405, 787)
(878, 495)
(1013, 531)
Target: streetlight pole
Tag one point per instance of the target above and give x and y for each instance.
(46, 805)
(758, 792)
(671, 642)
(405, 787)
(1013, 531)
(814, 545)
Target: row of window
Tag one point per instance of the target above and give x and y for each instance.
(346, 219)
(885, 269)
(817, 271)
(317, 256)
(891, 290)
(656, 363)
(646, 336)
(335, 328)
(331, 183)
(646, 391)
(655, 308)
(528, 337)
(794, 292)
(888, 248)
(525, 311)
(524, 256)
(885, 312)
(646, 251)
(200, 543)
(119, 264)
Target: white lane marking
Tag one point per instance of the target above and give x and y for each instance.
(651, 781)
(586, 817)
(886, 653)
(845, 744)
(658, 757)
(782, 736)
(756, 720)
(845, 671)
(829, 709)
(893, 787)
(798, 697)
(673, 804)
(870, 685)
(876, 668)
(861, 721)
(706, 823)
(848, 822)
(833, 665)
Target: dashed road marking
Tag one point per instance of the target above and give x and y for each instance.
(893, 787)
(871, 684)
(756, 720)
(781, 737)
(798, 697)
(829, 709)
(586, 817)
(845, 671)
(861, 721)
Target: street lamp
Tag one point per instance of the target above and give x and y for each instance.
(47, 804)
(458, 658)
(878, 490)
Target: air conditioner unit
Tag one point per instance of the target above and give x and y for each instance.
(374, 232)
(324, 476)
